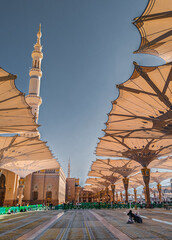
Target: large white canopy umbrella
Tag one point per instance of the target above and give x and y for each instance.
(98, 181)
(143, 151)
(157, 177)
(106, 175)
(155, 27)
(143, 108)
(119, 167)
(15, 113)
(23, 155)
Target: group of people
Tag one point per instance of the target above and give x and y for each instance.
(134, 217)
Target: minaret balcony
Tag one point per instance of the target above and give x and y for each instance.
(32, 99)
(37, 54)
(35, 72)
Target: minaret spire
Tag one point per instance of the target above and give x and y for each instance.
(39, 35)
(33, 99)
(68, 169)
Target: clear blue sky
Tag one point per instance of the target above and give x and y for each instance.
(88, 48)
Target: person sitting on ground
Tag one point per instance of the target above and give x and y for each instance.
(137, 218)
(131, 216)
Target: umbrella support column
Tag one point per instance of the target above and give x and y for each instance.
(81, 197)
(20, 191)
(113, 192)
(77, 192)
(135, 195)
(121, 196)
(159, 191)
(144, 191)
(116, 197)
(146, 178)
(125, 182)
(87, 197)
(106, 194)
(92, 197)
(98, 197)
(103, 196)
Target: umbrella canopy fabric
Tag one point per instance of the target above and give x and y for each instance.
(105, 174)
(137, 180)
(92, 188)
(154, 177)
(144, 106)
(23, 155)
(119, 188)
(120, 166)
(15, 113)
(160, 176)
(155, 27)
(134, 184)
(164, 164)
(98, 181)
(27, 167)
(143, 151)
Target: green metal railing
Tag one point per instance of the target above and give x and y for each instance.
(5, 210)
(95, 205)
(102, 205)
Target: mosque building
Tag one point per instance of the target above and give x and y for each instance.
(45, 186)
(75, 193)
(72, 184)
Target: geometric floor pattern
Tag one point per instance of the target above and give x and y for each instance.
(86, 224)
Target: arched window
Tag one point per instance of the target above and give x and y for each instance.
(35, 63)
(2, 189)
(35, 195)
(2, 181)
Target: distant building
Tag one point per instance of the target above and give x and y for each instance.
(85, 196)
(47, 186)
(9, 182)
(72, 185)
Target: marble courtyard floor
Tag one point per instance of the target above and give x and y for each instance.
(86, 224)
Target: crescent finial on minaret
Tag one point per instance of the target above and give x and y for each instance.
(39, 35)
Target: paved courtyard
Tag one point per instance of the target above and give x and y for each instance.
(86, 224)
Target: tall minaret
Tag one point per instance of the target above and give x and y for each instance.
(33, 99)
(68, 175)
